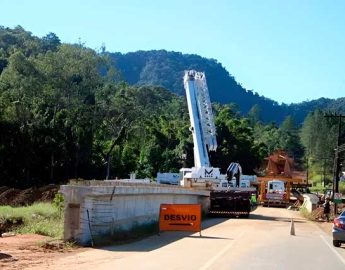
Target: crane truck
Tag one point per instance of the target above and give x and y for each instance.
(230, 194)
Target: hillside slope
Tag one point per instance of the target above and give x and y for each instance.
(166, 69)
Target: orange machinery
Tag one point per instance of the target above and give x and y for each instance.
(275, 186)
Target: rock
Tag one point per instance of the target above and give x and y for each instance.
(8, 234)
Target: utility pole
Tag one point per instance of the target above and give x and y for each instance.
(308, 155)
(336, 169)
(324, 173)
(308, 169)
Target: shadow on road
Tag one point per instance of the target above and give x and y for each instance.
(209, 237)
(209, 222)
(154, 242)
(272, 218)
(165, 238)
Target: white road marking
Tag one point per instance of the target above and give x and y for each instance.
(333, 249)
(221, 253)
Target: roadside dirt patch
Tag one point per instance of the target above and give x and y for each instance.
(325, 226)
(8, 195)
(319, 219)
(28, 250)
(17, 197)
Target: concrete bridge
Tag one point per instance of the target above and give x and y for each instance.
(100, 210)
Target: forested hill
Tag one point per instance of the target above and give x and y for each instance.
(166, 69)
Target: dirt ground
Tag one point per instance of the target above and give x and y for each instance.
(23, 251)
(325, 226)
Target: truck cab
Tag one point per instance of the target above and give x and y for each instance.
(275, 192)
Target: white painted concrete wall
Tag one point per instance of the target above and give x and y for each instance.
(115, 207)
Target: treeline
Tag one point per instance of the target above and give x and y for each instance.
(319, 136)
(65, 113)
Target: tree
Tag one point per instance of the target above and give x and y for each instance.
(51, 42)
(254, 114)
(236, 142)
(268, 136)
(318, 137)
(289, 138)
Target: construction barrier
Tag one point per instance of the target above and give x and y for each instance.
(180, 217)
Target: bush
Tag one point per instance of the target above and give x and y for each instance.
(58, 202)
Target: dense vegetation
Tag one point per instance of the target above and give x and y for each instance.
(65, 113)
(166, 69)
(319, 135)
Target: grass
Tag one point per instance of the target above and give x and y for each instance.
(305, 213)
(39, 218)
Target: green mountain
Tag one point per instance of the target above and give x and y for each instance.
(166, 69)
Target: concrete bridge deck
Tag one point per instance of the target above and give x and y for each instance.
(97, 210)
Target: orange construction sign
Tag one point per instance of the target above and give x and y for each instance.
(180, 217)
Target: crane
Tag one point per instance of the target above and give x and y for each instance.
(227, 194)
(203, 131)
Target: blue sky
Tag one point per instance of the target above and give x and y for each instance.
(286, 50)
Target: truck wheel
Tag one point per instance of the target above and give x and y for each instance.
(336, 243)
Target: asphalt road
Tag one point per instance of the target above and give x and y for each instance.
(262, 242)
